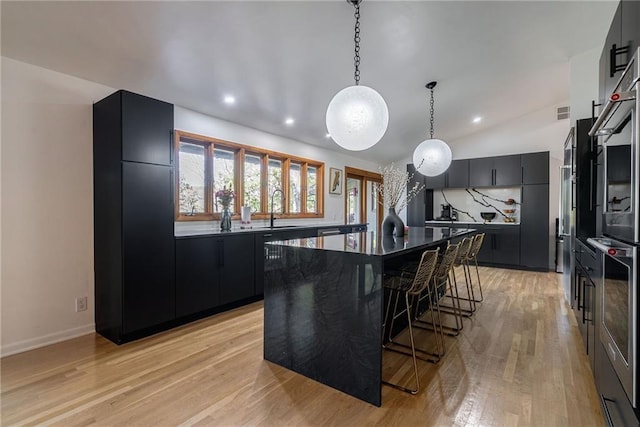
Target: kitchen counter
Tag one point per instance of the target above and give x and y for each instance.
(468, 223)
(323, 304)
(210, 230)
(373, 244)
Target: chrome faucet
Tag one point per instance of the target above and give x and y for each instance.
(273, 197)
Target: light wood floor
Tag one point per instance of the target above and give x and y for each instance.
(520, 361)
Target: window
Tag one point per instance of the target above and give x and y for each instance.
(207, 165)
(192, 180)
(223, 172)
(294, 187)
(275, 182)
(252, 178)
(312, 188)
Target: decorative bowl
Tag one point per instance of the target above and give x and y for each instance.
(509, 211)
(488, 216)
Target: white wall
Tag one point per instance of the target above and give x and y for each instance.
(583, 87)
(47, 198)
(47, 205)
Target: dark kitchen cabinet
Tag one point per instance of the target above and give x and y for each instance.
(213, 271)
(507, 170)
(586, 281)
(501, 245)
(197, 278)
(481, 172)
(630, 26)
(534, 227)
(144, 139)
(609, 72)
(586, 201)
(147, 222)
(535, 168)
(456, 176)
(416, 208)
(236, 268)
(621, 43)
(134, 253)
(436, 182)
(500, 171)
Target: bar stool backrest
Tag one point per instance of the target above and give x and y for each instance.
(477, 244)
(464, 249)
(445, 264)
(425, 270)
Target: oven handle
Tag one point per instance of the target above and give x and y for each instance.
(615, 98)
(618, 251)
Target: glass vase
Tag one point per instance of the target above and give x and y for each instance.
(225, 219)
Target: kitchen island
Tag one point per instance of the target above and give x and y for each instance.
(323, 303)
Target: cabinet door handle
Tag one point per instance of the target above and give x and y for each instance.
(591, 175)
(171, 146)
(613, 55)
(521, 174)
(220, 253)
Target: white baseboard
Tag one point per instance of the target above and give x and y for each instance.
(30, 344)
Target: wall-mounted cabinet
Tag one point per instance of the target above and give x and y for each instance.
(535, 168)
(456, 176)
(499, 171)
(620, 44)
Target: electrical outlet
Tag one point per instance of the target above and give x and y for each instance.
(81, 304)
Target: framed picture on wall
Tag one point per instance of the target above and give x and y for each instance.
(335, 181)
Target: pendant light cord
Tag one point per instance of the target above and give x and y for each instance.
(356, 39)
(431, 103)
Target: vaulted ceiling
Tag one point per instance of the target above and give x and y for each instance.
(498, 60)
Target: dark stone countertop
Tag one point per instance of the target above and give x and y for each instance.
(374, 244)
(215, 231)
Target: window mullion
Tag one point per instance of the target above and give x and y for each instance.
(285, 185)
(264, 184)
(303, 188)
(239, 181)
(209, 180)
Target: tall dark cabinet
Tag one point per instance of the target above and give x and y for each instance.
(133, 215)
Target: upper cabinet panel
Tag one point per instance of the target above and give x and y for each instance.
(147, 129)
(458, 174)
(507, 170)
(630, 27)
(481, 172)
(535, 168)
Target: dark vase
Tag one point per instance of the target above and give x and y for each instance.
(392, 224)
(225, 220)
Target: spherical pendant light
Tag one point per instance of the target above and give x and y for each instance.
(357, 116)
(432, 157)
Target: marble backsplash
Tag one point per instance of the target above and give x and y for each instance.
(469, 202)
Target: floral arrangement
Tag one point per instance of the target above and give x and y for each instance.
(394, 187)
(225, 196)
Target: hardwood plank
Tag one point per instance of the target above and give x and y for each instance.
(519, 361)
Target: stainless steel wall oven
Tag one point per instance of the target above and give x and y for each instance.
(618, 125)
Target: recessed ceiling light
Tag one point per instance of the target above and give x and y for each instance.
(328, 135)
(229, 99)
(289, 121)
(477, 119)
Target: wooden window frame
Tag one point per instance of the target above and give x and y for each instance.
(240, 151)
